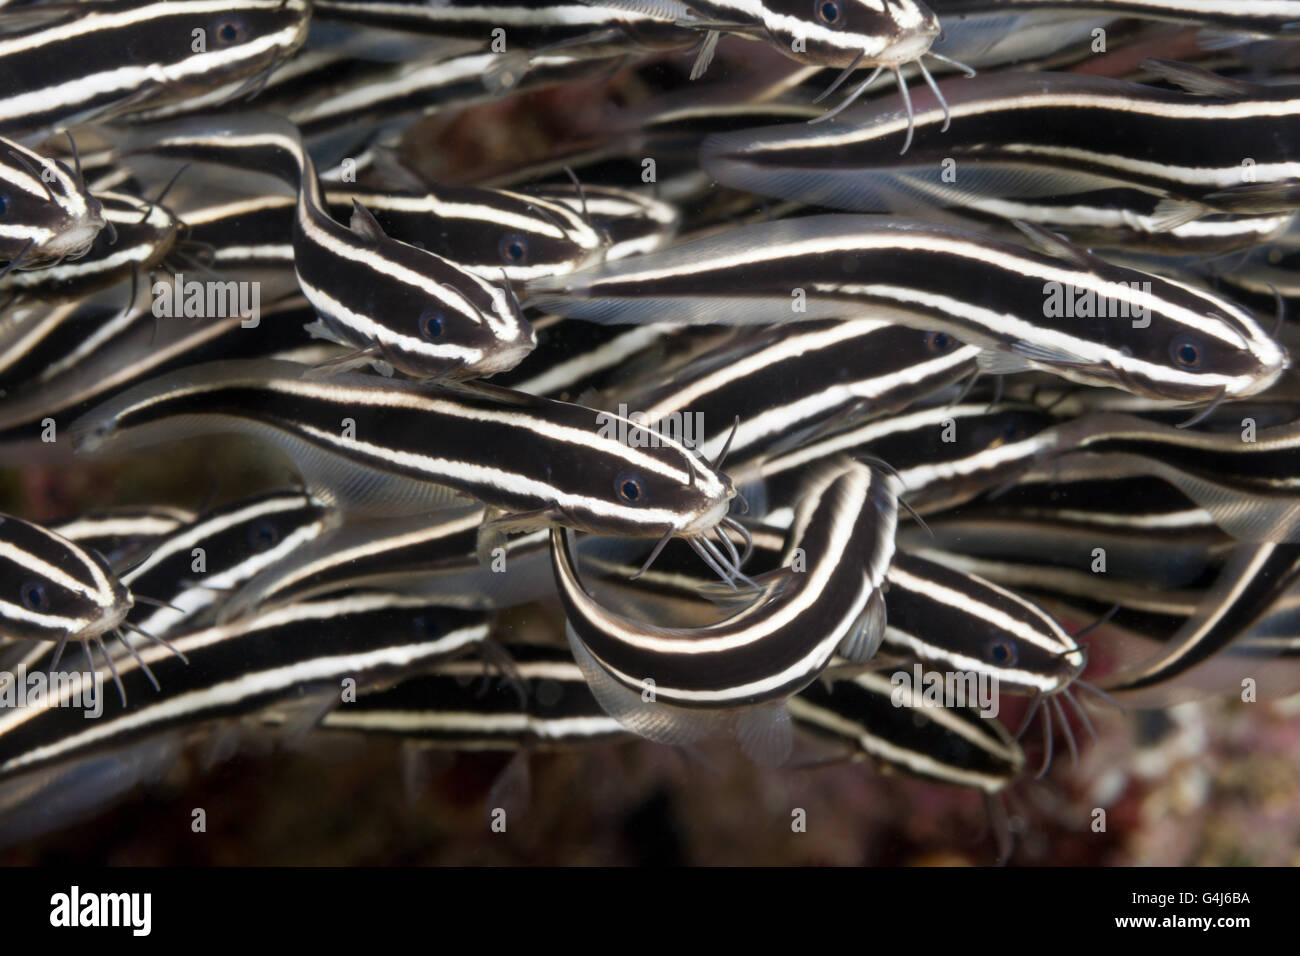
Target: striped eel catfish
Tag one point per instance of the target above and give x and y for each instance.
(280, 657)
(436, 556)
(633, 223)
(942, 455)
(139, 236)
(1246, 479)
(793, 379)
(98, 58)
(488, 232)
(1024, 136)
(1265, 17)
(528, 24)
(122, 531)
(952, 745)
(109, 352)
(339, 122)
(732, 676)
(447, 707)
(46, 212)
(1143, 333)
(401, 307)
(54, 591)
(196, 566)
(189, 571)
(939, 617)
(360, 442)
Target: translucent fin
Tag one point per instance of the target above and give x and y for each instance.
(997, 362)
(512, 789)
(655, 721)
(766, 733)
(1196, 79)
(45, 800)
(861, 643)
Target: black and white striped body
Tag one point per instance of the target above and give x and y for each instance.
(1164, 339)
(196, 567)
(535, 459)
(120, 532)
(415, 311)
(46, 212)
(127, 53)
(1022, 138)
(796, 378)
(941, 744)
(1245, 16)
(778, 644)
(243, 668)
(53, 590)
(141, 236)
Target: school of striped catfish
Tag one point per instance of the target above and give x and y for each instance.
(832, 346)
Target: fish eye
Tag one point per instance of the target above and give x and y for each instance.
(229, 31)
(629, 489)
(263, 536)
(1186, 352)
(1002, 653)
(514, 250)
(938, 341)
(32, 594)
(828, 12)
(4, 204)
(431, 325)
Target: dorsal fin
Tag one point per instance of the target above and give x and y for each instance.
(365, 225)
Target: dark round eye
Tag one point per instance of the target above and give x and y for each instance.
(431, 324)
(629, 489)
(32, 594)
(514, 250)
(828, 12)
(263, 536)
(4, 204)
(1002, 653)
(1186, 352)
(229, 31)
(938, 341)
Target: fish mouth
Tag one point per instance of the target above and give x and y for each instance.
(72, 243)
(504, 359)
(912, 47)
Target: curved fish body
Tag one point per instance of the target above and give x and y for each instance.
(743, 667)
(395, 304)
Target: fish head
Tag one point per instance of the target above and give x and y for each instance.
(242, 40)
(53, 590)
(444, 321)
(640, 482)
(1195, 346)
(835, 33)
(46, 212)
